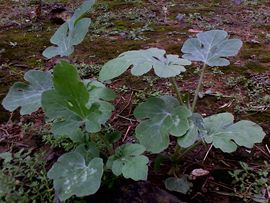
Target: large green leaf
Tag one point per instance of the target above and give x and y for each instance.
(70, 33)
(226, 135)
(128, 161)
(68, 104)
(160, 117)
(28, 95)
(142, 61)
(211, 47)
(73, 176)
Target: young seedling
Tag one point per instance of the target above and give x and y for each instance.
(71, 33)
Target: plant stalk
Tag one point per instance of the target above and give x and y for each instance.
(189, 149)
(177, 90)
(198, 87)
(176, 153)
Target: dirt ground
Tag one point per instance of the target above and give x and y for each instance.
(243, 88)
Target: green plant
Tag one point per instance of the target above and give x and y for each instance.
(23, 178)
(58, 142)
(163, 116)
(71, 33)
(77, 109)
(251, 183)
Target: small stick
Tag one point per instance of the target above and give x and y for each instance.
(267, 148)
(5, 131)
(263, 150)
(128, 103)
(10, 118)
(207, 152)
(125, 136)
(129, 119)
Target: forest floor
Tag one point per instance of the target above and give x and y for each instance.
(243, 88)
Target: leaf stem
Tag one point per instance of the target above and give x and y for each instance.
(177, 90)
(176, 153)
(189, 149)
(198, 87)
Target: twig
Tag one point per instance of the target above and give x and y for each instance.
(5, 131)
(207, 152)
(129, 119)
(125, 136)
(267, 148)
(10, 118)
(268, 155)
(127, 103)
(221, 185)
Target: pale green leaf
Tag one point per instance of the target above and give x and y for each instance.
(189, 138)
(129, 161)
(226, 135)
(80, 31)
(181, 185)
(81, 10)
(71, 33)
(211, 47)
(142, 61)
(160, 117)
(117, 166)
(28, 95)
(100, 95)
(52, 51)
(62, 39)
(73, 176)
(136, 168)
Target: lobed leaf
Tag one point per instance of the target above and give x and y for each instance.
(142, 61)
(128, 161)
(68, 104)
(211, 47)
(226, 135)
(160, 117)
(73, 176)
(28, 95)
